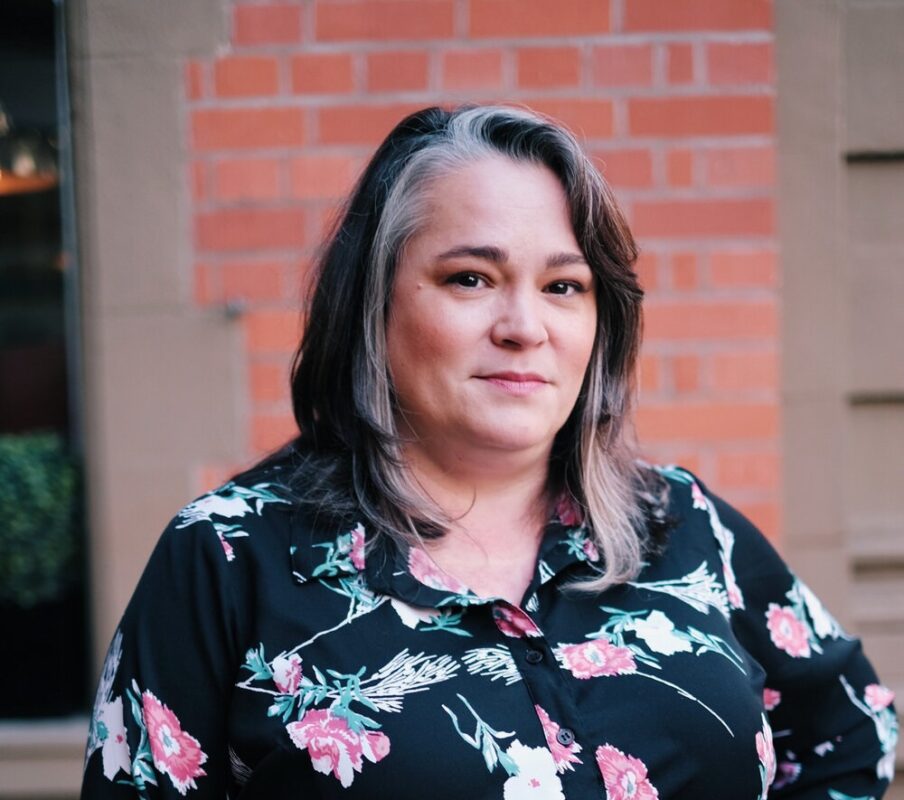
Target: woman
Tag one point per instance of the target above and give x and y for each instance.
(458, 580)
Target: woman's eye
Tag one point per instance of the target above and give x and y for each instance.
(467, 280)
(564, 287)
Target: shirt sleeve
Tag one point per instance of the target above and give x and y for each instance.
(833, 726)
(158, 729)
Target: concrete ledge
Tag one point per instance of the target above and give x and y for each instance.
(42, 759)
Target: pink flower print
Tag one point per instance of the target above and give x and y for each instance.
(771, 698)
(174, 751)
(597, 658)
(589, 548)
(878, 697)
(625, 776)
(227, 548)
(422, 567)
(563, 755)
(334, 747)
(698, 497)
(766, 753)
(568, 511)
(788, 633)
(512, 621)
(287, 673)
(357, 551)
(735, 598)
(786, 772)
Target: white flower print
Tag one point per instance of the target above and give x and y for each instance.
(496, 663)
(115, 747)
(824, 624)
(658, 632)
(886, 726)
(204, 507)
(410, 615)
(106, 721)
(536, 778)
(700, 589)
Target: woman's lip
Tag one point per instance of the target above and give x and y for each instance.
(518, 386)
(516, 377)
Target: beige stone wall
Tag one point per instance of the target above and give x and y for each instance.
(841, 203)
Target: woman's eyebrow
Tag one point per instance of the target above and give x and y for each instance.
(499, 256)
(486, 252)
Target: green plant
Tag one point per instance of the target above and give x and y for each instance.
(39, 540)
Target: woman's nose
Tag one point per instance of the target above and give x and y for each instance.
(519, 321)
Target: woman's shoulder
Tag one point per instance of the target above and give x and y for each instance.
(249, 508)
(701, 518)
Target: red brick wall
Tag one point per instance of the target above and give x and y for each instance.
(675, 101)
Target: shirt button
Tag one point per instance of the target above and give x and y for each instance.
(534, 656)
(565, 736)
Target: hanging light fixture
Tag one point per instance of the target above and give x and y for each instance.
(28, 160)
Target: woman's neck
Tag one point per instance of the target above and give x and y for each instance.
(497, 517)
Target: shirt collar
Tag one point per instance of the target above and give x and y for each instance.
(350, 555)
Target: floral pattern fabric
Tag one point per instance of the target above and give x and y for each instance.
(265, 656)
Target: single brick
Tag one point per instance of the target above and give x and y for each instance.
(521, 18)
(472, 69)
(700, 116)
(682, 320)
(548, 67)
(359, 124)
(697, 15)
(252, 280)
(701, 218)
(745, 372)
(590, 119)
(323, 73)
(266, 24)
(623, 65)
(708, 422)
(249, 229)
(749, 470)
(384, 20)
(631, 168)
(741, 63)
(245, 76)
(757, 268)
(272, 331)
(648, 373)
(396, 71)
(680, 167)
(740, 166)
(222, 128)
(680, 60)
(684, 271)
(685, 373)
(247, 179)
(269, 382)
(323, 176)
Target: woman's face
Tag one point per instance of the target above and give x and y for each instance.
(493, 313)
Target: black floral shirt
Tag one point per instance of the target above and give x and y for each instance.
(265, 657)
